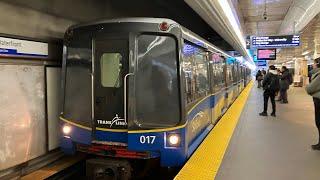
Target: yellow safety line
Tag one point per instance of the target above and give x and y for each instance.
(206, 160)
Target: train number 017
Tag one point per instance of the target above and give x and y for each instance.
(147, 139)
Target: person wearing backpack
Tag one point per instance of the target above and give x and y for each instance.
(313, 89)
(285, 81)
(271, 87)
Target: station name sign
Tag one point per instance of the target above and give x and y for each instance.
(275, 41)
(11, 47)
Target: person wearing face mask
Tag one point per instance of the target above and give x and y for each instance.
(313, 89)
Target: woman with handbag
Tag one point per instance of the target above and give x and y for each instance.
(313, 89)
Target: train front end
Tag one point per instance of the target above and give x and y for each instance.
(121, 91)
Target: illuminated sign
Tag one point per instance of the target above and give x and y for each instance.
(11, 47)
(267, 54)
(262, 63)
(275, 41)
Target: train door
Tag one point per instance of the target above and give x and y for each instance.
(217, 79)
(226, 78)
(110, 68)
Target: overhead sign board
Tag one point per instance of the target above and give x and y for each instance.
(275, 41)
(11, 47)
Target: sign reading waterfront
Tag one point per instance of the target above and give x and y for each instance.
(11, 47)
(275, 41)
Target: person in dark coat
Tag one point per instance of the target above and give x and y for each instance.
(270, 85)
(313, 89)
(284, 84)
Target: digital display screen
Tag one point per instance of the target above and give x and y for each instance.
(267, 54)
(275, 41)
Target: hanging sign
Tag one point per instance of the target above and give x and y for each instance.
(275, 41)
(10, 47)
(261, 63)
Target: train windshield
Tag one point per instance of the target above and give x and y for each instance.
(77, 89)
(157, 102)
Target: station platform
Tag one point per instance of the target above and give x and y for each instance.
(261, 147)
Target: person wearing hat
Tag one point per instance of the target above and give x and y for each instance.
(313, 89)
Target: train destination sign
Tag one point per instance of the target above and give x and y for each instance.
(275, 41)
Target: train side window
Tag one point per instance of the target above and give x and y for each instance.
(201, 67)
(217, 72)
(195, 68)
(110, 69)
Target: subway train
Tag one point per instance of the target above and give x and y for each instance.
(143, 88)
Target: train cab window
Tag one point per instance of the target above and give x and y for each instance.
(110, 69)
(77, 82)
(157, 96)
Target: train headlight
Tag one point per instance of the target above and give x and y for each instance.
(66, 129)
(174, 140)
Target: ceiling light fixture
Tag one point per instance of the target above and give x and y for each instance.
(305, 53)
(265, 15)
(225, 6)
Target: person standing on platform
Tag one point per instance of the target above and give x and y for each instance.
(259, 78)
(285, 81)
(313, 89)
(270, 85)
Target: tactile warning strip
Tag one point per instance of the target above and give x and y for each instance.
(206, 160)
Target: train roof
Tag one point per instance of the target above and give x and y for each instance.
(186, 33)
(122, 20)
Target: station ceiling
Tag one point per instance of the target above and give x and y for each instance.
(310, 43)
(254, 22)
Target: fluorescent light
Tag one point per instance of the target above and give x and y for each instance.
(225, 6)
(251, 66)
(288, 62)
(305, 53)
(228, 12)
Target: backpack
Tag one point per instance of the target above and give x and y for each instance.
(290, 79)
(274, 84)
